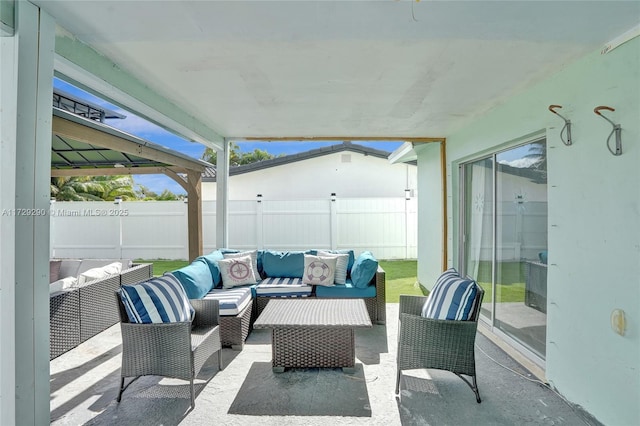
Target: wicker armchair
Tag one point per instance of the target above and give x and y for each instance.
(438, 344)
(177, 350)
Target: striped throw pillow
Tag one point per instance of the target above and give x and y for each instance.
(451, 298)
(161, 299)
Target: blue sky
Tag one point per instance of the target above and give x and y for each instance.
(142, 128)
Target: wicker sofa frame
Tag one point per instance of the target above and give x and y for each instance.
(234, 329)
(376, 306)
(438, 344)
(79, 313)
(177, 350)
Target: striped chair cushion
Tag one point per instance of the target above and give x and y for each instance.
(161, 299)
(290, 287)
(451, 298)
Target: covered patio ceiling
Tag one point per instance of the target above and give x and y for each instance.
(330, 69)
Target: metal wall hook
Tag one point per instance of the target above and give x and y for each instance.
(617, 130)
(567, 125)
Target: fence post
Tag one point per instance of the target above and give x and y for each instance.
(407, 199)
(260, 235)
(333, 221)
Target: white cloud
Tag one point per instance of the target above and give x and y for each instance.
(521, 163)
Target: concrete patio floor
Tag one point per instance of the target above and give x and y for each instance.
(84, 386)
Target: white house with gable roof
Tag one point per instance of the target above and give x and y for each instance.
(348, 170)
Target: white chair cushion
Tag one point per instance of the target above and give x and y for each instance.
(101, 272)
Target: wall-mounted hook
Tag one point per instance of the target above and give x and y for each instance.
(567, 125)
(617, 130)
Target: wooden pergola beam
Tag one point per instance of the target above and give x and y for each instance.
(111, 171)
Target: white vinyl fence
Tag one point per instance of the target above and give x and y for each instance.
(158, 229)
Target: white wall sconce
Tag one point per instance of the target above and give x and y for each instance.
(617, 130)
(117, 200)
(566, 128)
(333, 196)
(259, 198)
(407, 194)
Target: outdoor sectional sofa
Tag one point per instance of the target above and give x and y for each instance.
(85, 308)
(277, 274)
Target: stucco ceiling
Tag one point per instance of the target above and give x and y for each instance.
(342, 68)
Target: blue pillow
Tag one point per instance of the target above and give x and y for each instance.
(158, 300)
(543, 255)
(285, 264)
(196, 278)
(451, 298)
(212, 261)
(364, 269)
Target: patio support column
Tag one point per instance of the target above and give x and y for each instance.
(8, 117)
(194, 213)
(35, 33)
(222, 196)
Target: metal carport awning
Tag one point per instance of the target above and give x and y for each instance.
(84, 147)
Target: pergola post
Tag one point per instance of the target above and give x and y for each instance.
(194, 214)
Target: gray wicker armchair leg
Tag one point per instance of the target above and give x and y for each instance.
(473, 386)
(121, 389)
(193, 396)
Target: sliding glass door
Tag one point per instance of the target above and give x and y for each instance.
(504, 240)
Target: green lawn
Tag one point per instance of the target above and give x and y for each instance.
(401, 275)
(162, 266)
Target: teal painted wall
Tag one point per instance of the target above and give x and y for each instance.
(594, 223)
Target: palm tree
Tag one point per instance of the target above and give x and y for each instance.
(92, 188)
(236, 157)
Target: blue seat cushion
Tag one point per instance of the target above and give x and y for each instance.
(282, 287)
(451, 298)
(196, 278)
(158, 300)
(345, 291)
(232, 301)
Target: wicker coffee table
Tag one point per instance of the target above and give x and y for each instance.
(313, 332)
